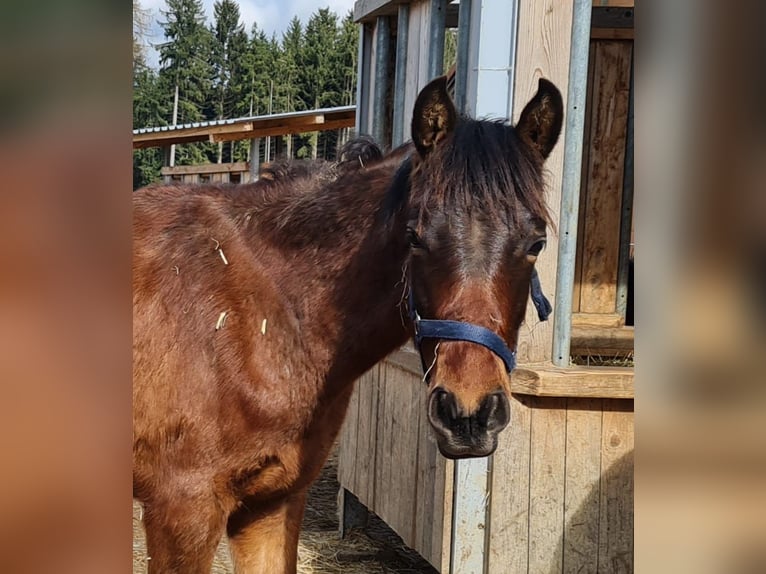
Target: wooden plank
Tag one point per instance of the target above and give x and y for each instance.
(315, 124)
(615, 549)
(408, 359)
(430, 483)
(582, 476)
(593, 382)
(364, 479)
(542, 50)
(397, 451)
(509, 511)
(447, 505)
(615, 3)
(595, 340)
(348, 440)
(206, 168)
(597, 320)
(605, 174)
(546, 488)
(583, 183)
(612, 34)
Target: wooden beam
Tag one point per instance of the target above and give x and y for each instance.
(597, 320)
(280, 130)
(205, 168)
(599, 340)
(612, 34)
(614, 3)
(166, 140)
(589, 382)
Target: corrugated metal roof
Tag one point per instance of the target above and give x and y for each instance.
(286, 115)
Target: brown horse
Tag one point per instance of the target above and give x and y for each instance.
(257, 306)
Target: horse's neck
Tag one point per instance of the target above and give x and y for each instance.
(345, 274)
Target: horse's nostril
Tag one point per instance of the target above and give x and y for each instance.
(447, 405)
(495, 411)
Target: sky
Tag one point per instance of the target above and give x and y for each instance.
(273, 16)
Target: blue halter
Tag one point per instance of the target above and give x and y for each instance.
(460, 331)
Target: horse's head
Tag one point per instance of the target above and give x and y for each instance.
(476, 222)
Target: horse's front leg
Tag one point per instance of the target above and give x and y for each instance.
(265, 539)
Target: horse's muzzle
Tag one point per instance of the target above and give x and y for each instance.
(466, 435)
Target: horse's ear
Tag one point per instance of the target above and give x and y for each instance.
(540, 122)
(434, 116)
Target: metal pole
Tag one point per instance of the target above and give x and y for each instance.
(362, 81)
(570, 188)
(402, 33)
(383, 33)
(175, 120)
(436, 38)
(463, 44)
(626, 218)
(255, 153)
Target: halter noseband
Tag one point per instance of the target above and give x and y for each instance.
(461, 331)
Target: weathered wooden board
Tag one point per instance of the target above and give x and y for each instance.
(615, 547)
(509, 514)
(542, 50)
(595, 382)
(546, 484)
(598, 282)
(581, 214)
(389, 460)
(583, 467)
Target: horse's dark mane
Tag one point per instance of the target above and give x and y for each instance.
(482, 165)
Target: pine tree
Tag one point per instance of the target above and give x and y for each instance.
(229, 45)
(185, 65)
(317, 86)
(289, 63)
(148, 109)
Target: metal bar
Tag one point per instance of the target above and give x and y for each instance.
(402, 34)
(626, 218)
(383, 38)
(570, 187)
(255, 158)
(463, 44)
(362, 81)
(437, 23)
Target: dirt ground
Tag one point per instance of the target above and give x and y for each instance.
(377, 550)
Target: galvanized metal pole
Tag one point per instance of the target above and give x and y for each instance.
(383, 38)
(436, 38)
(363, 80)
(570, 187)
(255, 156)
(463, 45)
(402, 37)
(626, 218)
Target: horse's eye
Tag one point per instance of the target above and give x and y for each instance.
(536, 248)
(413, 239)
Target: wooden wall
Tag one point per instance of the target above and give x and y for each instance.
(561, 497)
(212, 172)
(562, 487)
(391, 463)
(602, 176)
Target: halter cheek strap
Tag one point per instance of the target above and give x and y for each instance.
(460, 331)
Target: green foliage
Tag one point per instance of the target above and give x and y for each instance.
(223, 72)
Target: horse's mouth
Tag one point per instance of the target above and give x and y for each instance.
(473, 448)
